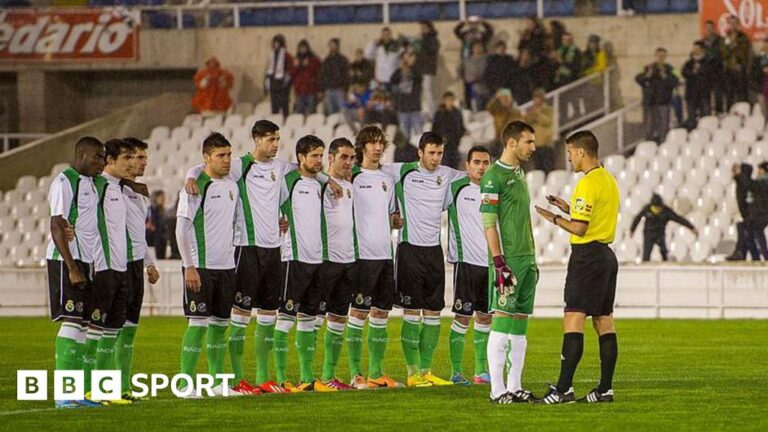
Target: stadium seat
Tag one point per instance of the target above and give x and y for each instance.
(12, 197)
(700, 251)
(334, 119)
(636, 164)
(233, 121)
(263, 108)
(535, 179)
(700, 135)
(315, 121)
(707, 162)
(746, 135)
(677, 136)
(213, 123)
(670, 150)
(646, 150)
(678, 251)
(275, 118)
(344, 131)
(731, 122)
(557, 178)
(650, 178)
(756, 123)
(660, 164)
(738, 151)
(716, 149)
(243, 109)
(760, 149)
(614, 163)
(710, 123)
(741, 108)
(697, 177)
(26, 183)
(723, 135)
(667, 191)
(693, 150)
(181, 133)
(294, 121)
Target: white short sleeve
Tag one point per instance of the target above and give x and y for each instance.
(60, 197)
(188, 205)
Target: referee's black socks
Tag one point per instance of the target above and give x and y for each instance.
(609, 352)
(573, 347)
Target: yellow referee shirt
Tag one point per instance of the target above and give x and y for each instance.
(596, 201)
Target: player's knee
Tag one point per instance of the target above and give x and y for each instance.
(483, 318)
(378, 313)
(463, 320)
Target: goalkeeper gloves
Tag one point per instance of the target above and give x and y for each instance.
(505, 279)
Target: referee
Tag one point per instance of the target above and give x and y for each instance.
(590, 286)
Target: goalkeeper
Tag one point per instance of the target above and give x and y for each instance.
(505, 205)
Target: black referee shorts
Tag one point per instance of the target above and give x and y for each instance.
(258, 278)
(470, 289)
(68, 301)
(135, 296)
(420, 279)
(590, 286)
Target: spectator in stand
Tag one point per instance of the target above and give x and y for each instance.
(379, 110)
(533, 38)
(753, 193)
(360, 70)
(449, 123)
(713, 44)
(658, 81)
(736, 52)
(212, 84)
(556, 32)
(523, 81)
(699, 74)
(305, 79)
(471, 31)
(540, 115)
(569, 61)
(500, 69)
(593, 59)
(157, 225)
(472, 72)
(502, 108)
(170, 219)
(278, 76)
(355, 106)
(334, 78)
(657, 215)
(760, 75)
(406, 91)
(427, 48)
(385, 53)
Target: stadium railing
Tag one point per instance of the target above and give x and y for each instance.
(17, 139)
(619, 131)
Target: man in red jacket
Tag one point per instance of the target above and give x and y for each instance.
(305, 79)
(213, 84)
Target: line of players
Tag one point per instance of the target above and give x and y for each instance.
(96, 260)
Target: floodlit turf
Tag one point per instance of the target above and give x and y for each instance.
(672, 375)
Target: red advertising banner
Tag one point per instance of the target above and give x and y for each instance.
(68, 35)
(753, 15)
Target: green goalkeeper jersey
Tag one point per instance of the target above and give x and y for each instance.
(504, 192)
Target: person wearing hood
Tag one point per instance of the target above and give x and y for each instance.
(278, 76)
(657, 215)
(385, 52)
(212, 85)
(305, 79)
(752, 198)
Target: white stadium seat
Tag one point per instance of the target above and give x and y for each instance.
(614, 163)
(683, 163)
(693, 149)
(677, 136)
(315, 121)
(660, 164)
(760, 149)
(669, 150)
(233, 121)
(716, 149)
(723, 135)
(731, 122)
(193, 120)
(263, 108)
(535, 180)
(741, 109)
(213, 123)
(755, 123)
(26, 183)
(646, 150)
(700, 135)
(707, 163)
(710, 123)
(160, 133)
(243, 109)
(294, 121)
(738, 150)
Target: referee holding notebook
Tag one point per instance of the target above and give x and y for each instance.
(590, 286)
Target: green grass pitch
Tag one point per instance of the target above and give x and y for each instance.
(672, 375)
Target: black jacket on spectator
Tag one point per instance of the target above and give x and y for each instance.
(656, 222)
(450, 125)
(523, 84)
(657, 89)
(499, 72)
(757, 192)
(334, 72)
(699, 76)
(383, 116)
(406, 91)
(426, 56)
(361, 72)
(742, 190)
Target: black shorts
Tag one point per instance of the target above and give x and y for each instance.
(217, 291)
(590, 285)
(420, 277)
(336, 283)
(106, 308)
(66, 300)
(258, 278)
(470, 289)
(135, 291)
(301, 290)
(374, 285)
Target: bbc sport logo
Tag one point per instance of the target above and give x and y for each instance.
(32, 385)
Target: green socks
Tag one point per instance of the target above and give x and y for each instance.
(124, 354)
(377, 345)
(306, 338)
(430, 334)
(192, 345)
(456, 344)
(67, 347)
(216, 345)
(89, 355)
(410, 335)
(263, 340)
(480, 339)
(237, 327)
(281, 348)
(354, 340)
(333, 341)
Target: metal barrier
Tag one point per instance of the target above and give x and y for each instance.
(18, 139)
(619, 131)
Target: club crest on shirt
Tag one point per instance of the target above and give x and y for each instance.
(272, 176)
(349, 193)
(318, 195)
(384, 186)
(231, 196)
(439, 180)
